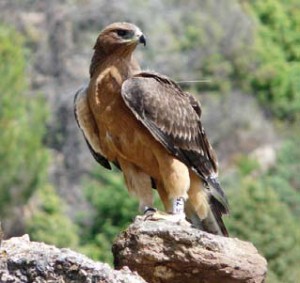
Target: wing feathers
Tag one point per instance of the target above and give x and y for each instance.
(88, 126)
(173, 118)
(159, 101)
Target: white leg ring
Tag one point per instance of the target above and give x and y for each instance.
(178, 206)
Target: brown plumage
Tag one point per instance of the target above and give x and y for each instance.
(145, 124)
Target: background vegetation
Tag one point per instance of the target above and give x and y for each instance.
(249, 51)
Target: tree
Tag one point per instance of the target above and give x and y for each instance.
(259, 216)
(276, 57)
(114, 209)
(23, 159)
(48, 221)
(284, 176)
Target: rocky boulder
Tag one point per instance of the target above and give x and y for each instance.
(162, 252)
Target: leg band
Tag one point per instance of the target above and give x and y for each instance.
(178, 206)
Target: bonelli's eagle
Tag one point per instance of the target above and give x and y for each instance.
(144, 123)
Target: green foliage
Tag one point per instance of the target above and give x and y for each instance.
(48, 222)
(258, 215)
(265, 211)
(246, 165)
(23, 160)
(288, 158)
(276, 57)
(285, 191)
(114, 210)
(284, 177)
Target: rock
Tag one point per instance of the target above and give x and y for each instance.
(162, 252)
(24, 261)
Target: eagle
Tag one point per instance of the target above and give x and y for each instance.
(146, 125)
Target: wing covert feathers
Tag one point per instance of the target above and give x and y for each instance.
(88, 126)
(173, 118)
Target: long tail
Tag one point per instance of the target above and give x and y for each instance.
(213, 223)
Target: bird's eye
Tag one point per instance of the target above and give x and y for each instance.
(121, 32)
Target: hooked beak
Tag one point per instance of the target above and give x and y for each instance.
(142, 39)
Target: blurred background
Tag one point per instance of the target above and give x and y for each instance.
(246, 55)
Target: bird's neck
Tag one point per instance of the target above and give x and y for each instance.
(103, 58)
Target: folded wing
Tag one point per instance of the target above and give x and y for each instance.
(88, 126)
(172, 116)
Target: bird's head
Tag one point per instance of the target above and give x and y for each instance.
(119, 35)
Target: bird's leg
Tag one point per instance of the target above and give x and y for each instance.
(172, 188)
(176, 214)
(139, 184)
